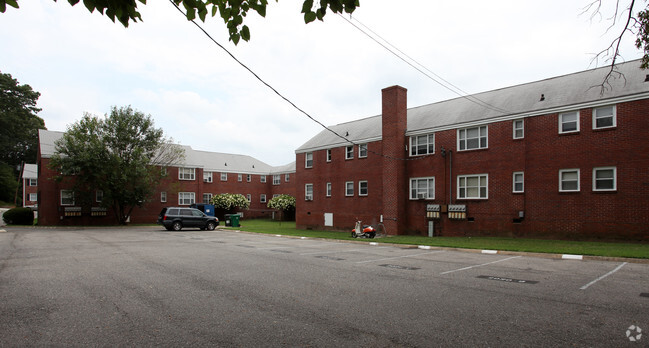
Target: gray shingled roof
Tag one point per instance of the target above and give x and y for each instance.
(209, 161)
(30, 171)
(561, 93)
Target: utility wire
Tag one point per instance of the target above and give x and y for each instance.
(446, 84)
(285, 98)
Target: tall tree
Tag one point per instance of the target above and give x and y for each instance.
(19, 123)
(231, 11)
(120, 155)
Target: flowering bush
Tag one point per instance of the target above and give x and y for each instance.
(229, 201)
(282, 202)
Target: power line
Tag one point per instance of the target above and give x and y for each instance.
(446, 84)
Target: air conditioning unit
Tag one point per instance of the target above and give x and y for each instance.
(308, 198)
(421, 196)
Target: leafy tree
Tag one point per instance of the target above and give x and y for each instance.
(229, 201)
(8, 183)
(282, 202)
(19, 123)
(120, 155)
(231, 11)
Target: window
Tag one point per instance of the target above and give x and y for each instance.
(569, 180)
(276, 179)
(328, 189)
(33, 182)
(362, 188)
(308, 160)
(33, 197)
(67, 197)
(262, 178)
(422, 188)
(207, 176)
(163, 197)
(99, 196)
(249, 197)
(224, 176)
(349, 152)
(569, 122)
(518, 129)
(262, 198)
(328, 155)
(604, 117)
(248, 177)
(275, 195)
(422, 145)
(308, 192)
(605, 179)
(362, 150)
(207, 197)
(472, 186)
(239, 177)
(349, 188)
(287, 177)
(186, 198)
(186, 173)
(518, 182)
(163, 171)
(472, 138)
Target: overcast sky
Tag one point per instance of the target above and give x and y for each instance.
(164, 66)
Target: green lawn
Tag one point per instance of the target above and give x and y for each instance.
(632, 250)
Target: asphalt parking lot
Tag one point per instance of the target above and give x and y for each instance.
(146, 286)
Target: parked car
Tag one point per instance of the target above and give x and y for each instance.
(175, 218)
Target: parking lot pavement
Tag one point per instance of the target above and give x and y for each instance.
(147, 286)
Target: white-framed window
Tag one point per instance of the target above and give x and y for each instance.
(349, 152)
(328, 189)
(473, 186)
(518, 129)
(186, 173)
(275, 195)
(328, 155)
(308, 160)
(422, 188)
(186, 198)
(362, 150)
(33, 197)
(349, 188)
(163, 197)
(569, 180)
(569, 122)
(362, 188)
(277, 179)
(33, 182)
(67, 197)
(287, 177)
(207, 197)
(262, 198)
(207, 177)
(99, 196)
(262, 178)
(249, 197)
(224, 176)
(604, 117)
(239, 177)
(422, 144)
(472, 138)
(605, 179)
(248, 177)
(308, 192)
(163, 171)
(518, 182)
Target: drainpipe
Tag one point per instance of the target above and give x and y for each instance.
(450, 174)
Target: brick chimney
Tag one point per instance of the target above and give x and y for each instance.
(395, 181)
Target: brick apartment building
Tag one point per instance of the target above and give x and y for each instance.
(201, 175)
(552, 158)
(30, 185)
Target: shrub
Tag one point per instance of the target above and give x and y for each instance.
(282, 202)
(19, 216)
(229, 201)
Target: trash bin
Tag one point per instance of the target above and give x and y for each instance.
(235, 220)
(228, 220)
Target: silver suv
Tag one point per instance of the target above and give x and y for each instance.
(175, 218)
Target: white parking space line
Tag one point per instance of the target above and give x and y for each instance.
(475, 266)
(338, 251)
(604, 276)
(401, 257)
